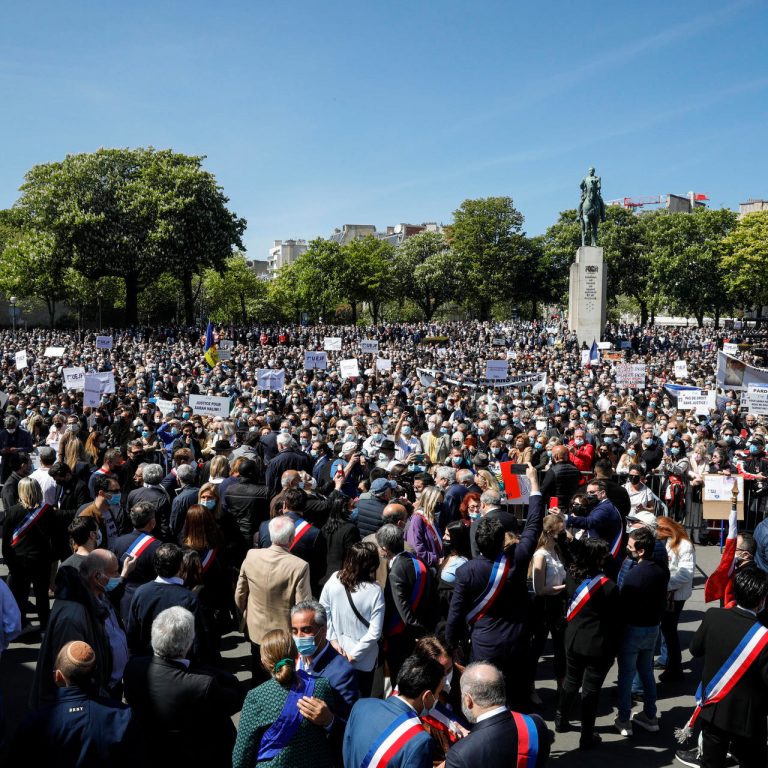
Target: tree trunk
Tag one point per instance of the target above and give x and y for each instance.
(699, 319)
(717, 319)
(51, 304)
(643, 311)
(483, 309)
(354, 312)
(242, 309)
(189, 301)
(375, 307)
(428, 308)
(131, 299)
(534, 309)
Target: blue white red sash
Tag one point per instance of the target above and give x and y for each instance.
(207, 556)
(140, 545)
(583, 594)
(277, 737)
(496, 581)
(430, 527)
(400, 731)
(724, 680)
(396, 625)
(527, 740)
(26, 525)
(616, 546)
(441, 718)
(302, 529)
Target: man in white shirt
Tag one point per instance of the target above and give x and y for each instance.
(46, 482)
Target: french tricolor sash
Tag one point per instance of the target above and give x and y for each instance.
(527, 740)
(616, 545)
(207, 558)
(277, 737)
(724, 680)
(140, 545)
(302, 529)
(496, 581)
(395, 737)
(430, 526)
(442, 719)
(26, 525)
(583, 594)
(396, 625)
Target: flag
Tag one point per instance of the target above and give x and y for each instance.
(594, 354)
(211, 352)
(719, 585)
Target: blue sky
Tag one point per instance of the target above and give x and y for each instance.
(313, 115)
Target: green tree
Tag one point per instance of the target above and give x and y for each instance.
(133, 214)
(368, 274)
(235, 293)
(428, 272)
(745, 260)
(316, 277)
(487, 236)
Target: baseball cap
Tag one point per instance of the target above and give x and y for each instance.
(380, 484)
(644, 517)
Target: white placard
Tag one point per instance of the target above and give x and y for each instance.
(630, 375)
(164, 406)
(332, 343)
(91, 391)
(270, 379)
(604, 345)
(681, 369)
(369, 346)
(107, 379)
(74, 378)
(730, 348)
(720, 487)
(496, 369)
(702, 400)
(54, 351)
(757, 399)
(225, 348)
(3, 399)
(315, 361)
(498, 341)
(103, 342)
(348, 369)
(383, 364)
(584, 358)
(442, 351)
(21, 359)
(207, 405)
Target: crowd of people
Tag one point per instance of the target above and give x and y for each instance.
(398, 548)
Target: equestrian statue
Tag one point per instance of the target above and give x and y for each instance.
(591, 208)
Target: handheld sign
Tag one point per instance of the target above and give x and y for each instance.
(332, 343)
(271, 380)
(207, 405)
(74, 378)
(103, 342)
(315, 361)
(21, 359)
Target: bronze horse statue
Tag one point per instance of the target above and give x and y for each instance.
(591, 208)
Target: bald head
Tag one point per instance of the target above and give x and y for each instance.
(482, 689)
(290, 478)
(74, 665)
(395, 513)
(560, 454)
(98, 568)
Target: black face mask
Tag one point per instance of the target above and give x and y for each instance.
(634, 479)
(592, 500)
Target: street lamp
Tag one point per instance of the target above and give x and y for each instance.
(13, 312)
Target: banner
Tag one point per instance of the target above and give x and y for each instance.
(383, 364)
(21, 359)
(702, 400)
(315, 361)
(681, 369)
(207, 405)
(537, 381)
(757, 400)
(630, 375)
(91, 391)
(496, 369)
(103, 342)
(54, 351)
(348, 369)
(738, 375)
(74, 378)
(271, 379)
(225, 349)
(584, 362)
(332, 343)
(369, 347)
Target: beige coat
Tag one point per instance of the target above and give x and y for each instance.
(271, 582)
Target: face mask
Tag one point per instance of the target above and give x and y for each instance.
(304, 441)
(578, 441)
(648, 442)
(674, 451)
(592, 500)
(443, 430)
(185, 415)
(503, 422)
(145, 433)
(313, 453)
(474, 515)
(495, 451)
(407, 431)
(306, 646)
(634, 480)
(456, 459)
(630, 452)
(209, 503)
(112, 583)
(174, 431)
(44, 411)
(753, 449)
(481, 433)
(114, 500)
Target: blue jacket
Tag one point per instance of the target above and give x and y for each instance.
(761, 545)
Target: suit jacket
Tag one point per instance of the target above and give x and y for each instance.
(492, 743)
(369, 718)
(397, 598)
(271, 582)
(502, 626)
(179, 507)
(249, 504)
(595, 629)
(744, 710)
(185, 713)
(157, 496)
(507, 519)
(283, 461)
(560, 480)
(142, 574)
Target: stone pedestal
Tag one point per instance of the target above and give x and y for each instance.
(587, 294)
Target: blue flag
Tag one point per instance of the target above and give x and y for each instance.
(594, 354)
(211, 351)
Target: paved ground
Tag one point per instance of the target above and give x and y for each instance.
(643, 750)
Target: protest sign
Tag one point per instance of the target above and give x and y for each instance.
(757, 400)
(332, 343)
(517, 487)
(315, 361)
(74, 378)
(21, 359)
(681, 369)
(3, 399)
(730, 348)
(207, 405)
(107, 379)
(496, 369)
(702, 400)
(630, 375)
(91, 391)
(103, 342)
(498, 341)
(584, 358)
(717, 496)
(369, 346)
(225, 349)
(738, 375)
(348, 369)
(383, 364)
(54, 351)
(164, 406)
(271, 379)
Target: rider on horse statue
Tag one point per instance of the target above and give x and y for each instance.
(591, 208)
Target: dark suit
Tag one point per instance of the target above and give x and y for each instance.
(248, 503)
(454, 495)
(185, 713)
(501, 635)
(180, 506)
(493, 743)
(560, 480)
(741, 715)
(603, 522)
(507, 519)
(142, 574)
(283, 461)
(159, 498)
(21, 440)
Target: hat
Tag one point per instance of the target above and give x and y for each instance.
(646, 518)
(394, 463)
(387, 445)
(610, 432)
(349, 447)
(222, 445)
(380, 484)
